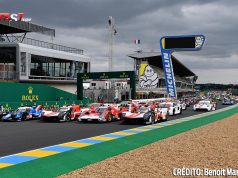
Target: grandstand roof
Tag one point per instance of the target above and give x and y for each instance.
(155, 59)
(11, 27)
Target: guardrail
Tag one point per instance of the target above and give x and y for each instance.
(45, 44)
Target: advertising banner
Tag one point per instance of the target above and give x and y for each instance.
(169, 74)
(169, 44)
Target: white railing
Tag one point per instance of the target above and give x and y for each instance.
(51, 78)
(7, 75)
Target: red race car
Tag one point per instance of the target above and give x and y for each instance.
(101, 114)
(63, 114)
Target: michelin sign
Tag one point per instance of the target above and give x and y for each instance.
(168, 45)
(148, 77)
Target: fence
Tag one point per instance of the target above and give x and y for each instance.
(14, 105)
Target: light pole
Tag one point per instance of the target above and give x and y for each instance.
(112, 33)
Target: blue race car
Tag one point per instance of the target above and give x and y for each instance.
(21, 114)
(35, 112)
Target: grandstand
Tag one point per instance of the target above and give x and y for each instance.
(150, 75)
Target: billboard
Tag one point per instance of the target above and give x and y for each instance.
(6, 16)
(148, 77)
(169, 44)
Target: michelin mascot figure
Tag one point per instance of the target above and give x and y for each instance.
(148, 78)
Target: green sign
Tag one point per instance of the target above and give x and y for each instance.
(14, 95)
(105, 76)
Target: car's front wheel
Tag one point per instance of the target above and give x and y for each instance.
(23, 118)
(66, 117)
(109, 119)
(152, 119)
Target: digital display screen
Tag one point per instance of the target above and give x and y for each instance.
(181, 42)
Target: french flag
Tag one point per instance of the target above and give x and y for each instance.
(137, 41)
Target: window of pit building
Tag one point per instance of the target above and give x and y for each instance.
(23, 63)
(8, 63)
(54, 67)
(178, 84)
(161, 83)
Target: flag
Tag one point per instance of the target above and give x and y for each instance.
(137, 41)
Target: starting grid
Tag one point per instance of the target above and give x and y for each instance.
(19, 158)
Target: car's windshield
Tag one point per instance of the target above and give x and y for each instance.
(204, 102)
(143, 109)
(21, 110)
(164, 105)
(95, 105)
(100, 110)
(64, 109)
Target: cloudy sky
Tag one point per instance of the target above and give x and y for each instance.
(84, 24)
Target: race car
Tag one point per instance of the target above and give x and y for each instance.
(205, 105)
(171, 108)
(3, 113)
(35, 112)
(76, 111)
(183, 105)
(101, 114)
(161, 114)
(20, 114)
(227, 101)
(92, 106)
(63, 114)
(144, 115)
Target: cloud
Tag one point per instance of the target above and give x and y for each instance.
(83, 24)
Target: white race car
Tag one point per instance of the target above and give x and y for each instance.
(161, 114)
(183, 105)
(205, 105)
(172, 108)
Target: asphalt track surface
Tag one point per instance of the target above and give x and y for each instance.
(16, 137)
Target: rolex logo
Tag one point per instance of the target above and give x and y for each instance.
(30, 90)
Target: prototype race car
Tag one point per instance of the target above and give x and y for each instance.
(227, 101)
(35, 112)
(183, 105)
(101, 114)
(20, 114)
(63, 114)
(171, 108)
(3, 113)
(205, 105)
(161, 114)
(92, 106)
(144, 114)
